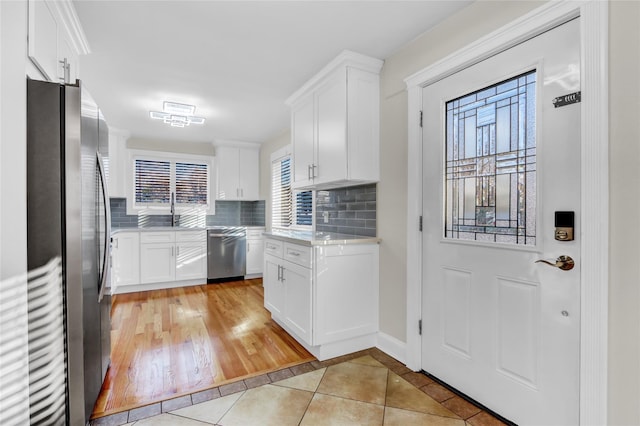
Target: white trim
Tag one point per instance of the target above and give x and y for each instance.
(132, 288)
(393, 347)
(346, 58)
(236, 144)
(281, 153)
(594, 268)
(69, 19)
(172, 157)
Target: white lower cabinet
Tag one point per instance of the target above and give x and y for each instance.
(157, 263)
(125, 255)
(147, 260)
(324, 296)
(273, 286)
(255, 251)
(191, 255)
(297, 296)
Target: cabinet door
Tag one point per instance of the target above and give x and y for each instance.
(249, 170)
(273, 287)
(303, 137)
(255, 256)
(228, 161)
(157, 262)
(331, 116)
(191, 261)
(125, 253)
(297, 305)
(43, 38)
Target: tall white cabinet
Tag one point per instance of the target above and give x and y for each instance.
(335, 125)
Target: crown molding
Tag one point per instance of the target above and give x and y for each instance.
(69, 19)
(345, 59)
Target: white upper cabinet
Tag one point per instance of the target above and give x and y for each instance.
(55, 40)
(43, 38)
(238, 173)
(335, 125)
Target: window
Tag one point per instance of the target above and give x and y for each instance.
(491, 163)
(156, 179)
(288, 208)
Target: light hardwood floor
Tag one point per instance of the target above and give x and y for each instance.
(167, 343)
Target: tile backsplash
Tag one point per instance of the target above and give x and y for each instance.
(349, 210)
(228, 213)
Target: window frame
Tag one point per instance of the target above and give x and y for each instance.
(279, 156)
(134, 207)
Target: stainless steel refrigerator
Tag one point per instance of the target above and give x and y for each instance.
(68, 216)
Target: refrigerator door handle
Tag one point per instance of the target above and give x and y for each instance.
(106, 264)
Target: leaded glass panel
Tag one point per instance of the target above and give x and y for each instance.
(491, 163)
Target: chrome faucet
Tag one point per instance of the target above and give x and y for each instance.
(173, 210)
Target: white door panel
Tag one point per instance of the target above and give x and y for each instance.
(496, 325)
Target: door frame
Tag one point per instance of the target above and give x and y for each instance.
(594, 187)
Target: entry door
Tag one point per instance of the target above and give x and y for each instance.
(500, 158)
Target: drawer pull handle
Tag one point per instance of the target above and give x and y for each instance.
(294, 253)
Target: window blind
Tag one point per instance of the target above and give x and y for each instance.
(155, 180)
(281, 201)
(304, 208)
(286, 209)
(152, 181)
(191, 183)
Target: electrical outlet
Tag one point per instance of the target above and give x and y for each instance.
(325, 217)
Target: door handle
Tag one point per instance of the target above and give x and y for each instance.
(566, 263)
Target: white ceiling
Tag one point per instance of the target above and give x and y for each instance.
(236, 60)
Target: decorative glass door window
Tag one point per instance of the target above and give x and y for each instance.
(490, 191)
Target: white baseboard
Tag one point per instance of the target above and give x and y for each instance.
(392, 347)
(156, 286)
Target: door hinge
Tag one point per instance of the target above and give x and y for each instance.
(420, 118)
(420, 224)
(420, 327)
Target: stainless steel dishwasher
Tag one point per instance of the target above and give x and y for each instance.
(226, 252)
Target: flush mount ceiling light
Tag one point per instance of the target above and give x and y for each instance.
(177, 114)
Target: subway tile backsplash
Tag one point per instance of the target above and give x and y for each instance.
(228, 213)
(349, 210)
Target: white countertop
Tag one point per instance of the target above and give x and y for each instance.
(179, 228)
(319, 238)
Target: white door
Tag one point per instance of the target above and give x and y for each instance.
(499, 161)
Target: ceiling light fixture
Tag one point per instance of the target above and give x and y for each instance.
(177, 114)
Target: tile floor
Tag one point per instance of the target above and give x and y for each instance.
(366, 388)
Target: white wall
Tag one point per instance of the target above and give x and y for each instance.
(624, 267)
(183, 147)
(13, 193)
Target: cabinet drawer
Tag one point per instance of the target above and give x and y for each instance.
(191, 236)
(157, 237)
(300, 255)
(273, 247)
(253, 234)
